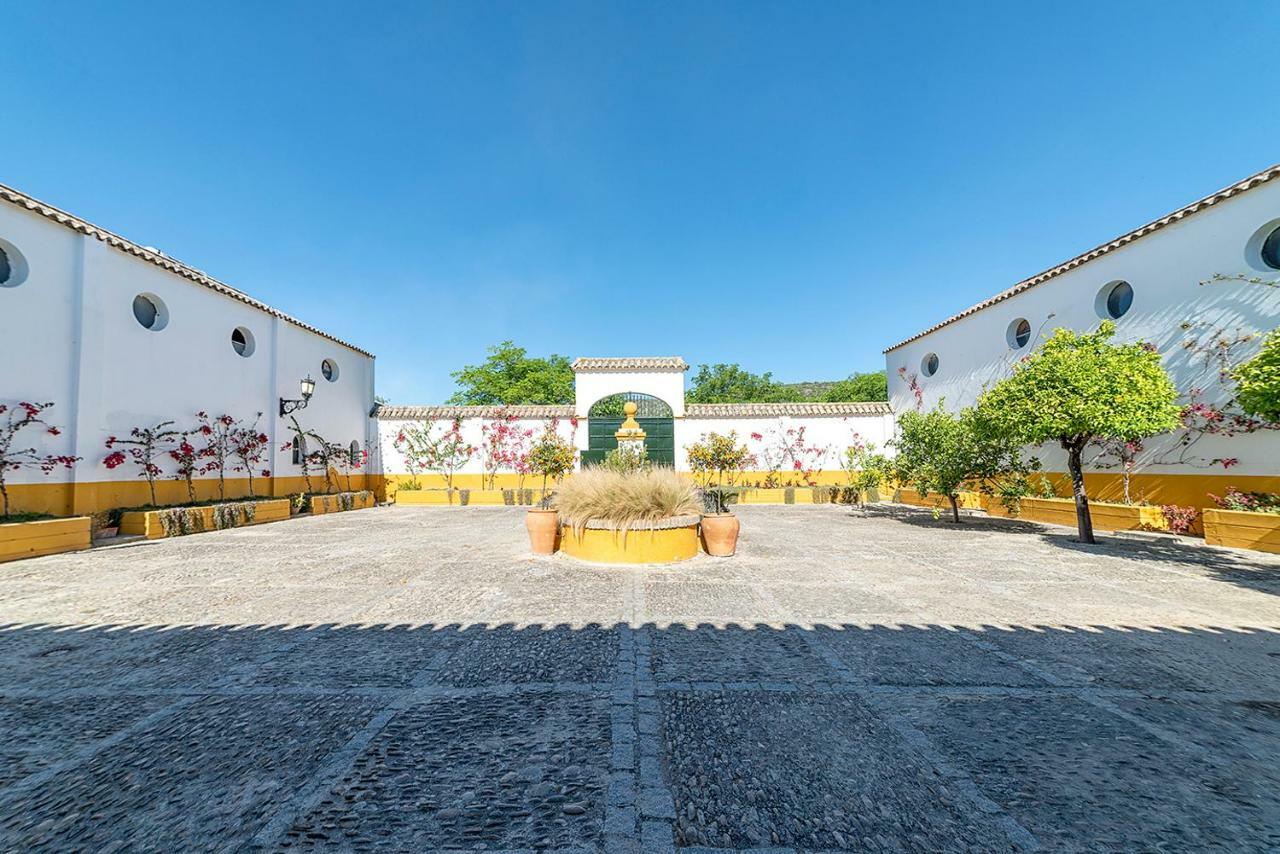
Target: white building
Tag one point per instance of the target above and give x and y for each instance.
(1151, 281)
(118, 336)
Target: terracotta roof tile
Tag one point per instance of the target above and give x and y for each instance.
(633, 363)
(61, 217)
(407, 413)
(1098, 251)
(758, 410)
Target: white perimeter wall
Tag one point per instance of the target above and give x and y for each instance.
(833, 433)
(1165, 269)
(68, 335)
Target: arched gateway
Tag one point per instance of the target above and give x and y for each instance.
(654, 384)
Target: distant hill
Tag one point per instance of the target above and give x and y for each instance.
(809, 389)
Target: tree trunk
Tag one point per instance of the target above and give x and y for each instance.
(1084, 523)
(955, 508)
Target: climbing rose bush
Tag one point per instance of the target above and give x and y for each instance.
(26, 418)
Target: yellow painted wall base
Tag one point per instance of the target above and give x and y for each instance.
(147, 523)
(321, 504)
(46, 537)
(599, 546)
(83, 499)
(1242, 530)
(966, 500)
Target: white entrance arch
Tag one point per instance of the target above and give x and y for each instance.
(659, 376)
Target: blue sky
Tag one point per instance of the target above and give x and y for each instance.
(788, 186)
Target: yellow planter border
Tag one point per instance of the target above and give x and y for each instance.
(20, 540)
(146, 523)
(468, 497)
(1106, 516)
(1241, 529)
(322, 504)
(603, 545)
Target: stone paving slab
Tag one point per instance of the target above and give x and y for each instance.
(527, 770)
(413, 679)
(1085, 779)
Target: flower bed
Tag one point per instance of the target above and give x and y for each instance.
(343, 501)
(663, 541)
(1241, 529)
(44, 537)
(468, 497)
(177, 521)
(1106, 516)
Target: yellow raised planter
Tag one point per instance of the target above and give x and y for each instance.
(668, 541)
(321, 504)
(46, 537)
(1241, 529)
(467, 497)
(778, 495)
(147, 523)
(1105, 515)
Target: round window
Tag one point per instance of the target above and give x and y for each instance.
(929, 364)
(1117, 300)
(1271, 249)
(242, 341)
(1019, 333)
(150, 312)
(13, 267)
(329, 370)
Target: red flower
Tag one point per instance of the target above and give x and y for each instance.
(54, 431)
(266, 472)
(113, 460)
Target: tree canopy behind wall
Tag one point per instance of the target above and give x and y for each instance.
(509, 376)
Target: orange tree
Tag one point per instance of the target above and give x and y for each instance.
(1080, 387)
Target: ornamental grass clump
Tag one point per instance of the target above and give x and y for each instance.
(625, 501)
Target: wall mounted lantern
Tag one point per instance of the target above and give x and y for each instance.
(308, 387)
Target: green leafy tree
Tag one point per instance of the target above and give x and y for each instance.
(1077, 388)
(858, 388)
(865, 468)
(732, 384)
(510, 376)
(719, 455)
(1258, 381)
(942, 452)
(552, 456)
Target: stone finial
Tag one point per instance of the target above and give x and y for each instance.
(630, 429)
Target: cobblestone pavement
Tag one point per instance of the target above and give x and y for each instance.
(411, 679)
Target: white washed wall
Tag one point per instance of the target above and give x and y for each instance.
(835, 433)
(1165, 269)
(591, 386)
(472, 432)
(68, 334)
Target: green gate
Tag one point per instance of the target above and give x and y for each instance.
(654, 417)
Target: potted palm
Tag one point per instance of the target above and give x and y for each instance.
(552, 456)
(711, 457)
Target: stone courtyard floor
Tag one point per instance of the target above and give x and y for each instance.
(411, 679)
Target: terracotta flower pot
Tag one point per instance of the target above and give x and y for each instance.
(720, 534)
(544, 530)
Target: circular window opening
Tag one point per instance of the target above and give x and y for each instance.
(329, 370)
(929, 364)
(1019, 333)
(242, 341)
(13, 267)
(150, 312)
(1114, 300)
(1271, 249)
